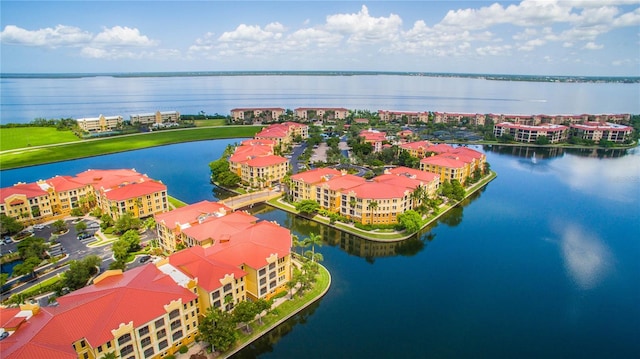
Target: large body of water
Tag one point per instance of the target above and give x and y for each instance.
(544, 262)
(24, 99)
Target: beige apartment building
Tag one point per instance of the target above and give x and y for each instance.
(99, 124)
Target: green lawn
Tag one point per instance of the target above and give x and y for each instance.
(210, 123)
(19, 137)
(88, 148)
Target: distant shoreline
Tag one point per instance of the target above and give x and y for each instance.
(494, 77)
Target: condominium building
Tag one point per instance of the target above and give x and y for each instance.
(408, 116)
(145, 312)
(475, 119)
(378, 201)
(417, 149)
(451, 163)
(157, 118)
(283, 133)
(200, 224)
(99, 124)
(115, 192)
(257, 114)
(530, 134)
(374, 137)
(321, 113)
(596, 131)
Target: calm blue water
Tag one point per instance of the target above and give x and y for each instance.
(22, 100)
(544, 262)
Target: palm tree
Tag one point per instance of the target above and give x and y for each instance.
(313, 240)
(372, 205)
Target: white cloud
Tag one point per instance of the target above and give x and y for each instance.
(121, 36)
(111, 43)
(592, 46)
(59, 36)
(363, 28)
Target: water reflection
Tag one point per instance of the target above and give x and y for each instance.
(266, 342)
(358, 246)
(586, 258)
(553, 152)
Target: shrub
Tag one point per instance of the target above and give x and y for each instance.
(183, 349)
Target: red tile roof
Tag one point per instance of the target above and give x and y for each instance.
(134, 190)
(64, 183)
(316, 175)
(443, 160)
(245, 153)
(31, 190)
(418, 145)
(413, 173)
(218, 228)
(266, 161)
(195, 263)
(344, 182)
(138, 295)
(192, 213)
(378, 190)
(254, 245)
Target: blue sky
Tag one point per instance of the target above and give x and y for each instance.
(540, 37)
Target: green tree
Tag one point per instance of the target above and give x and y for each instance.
(245, 312)
(229, 179)
(27, 267)
(126, 222)
(218, 329)
(110, 355)
(218, 167)
(542, 140)
(120, 250)
(410, 220)
(313, 240)
(59, 226)
(81, 226)
(308, 206)
(3, 279)
(106, 221)
(132, 239)
(32, 247)
(80, 271)
(372, 206)
(9, 225)
(261, 306)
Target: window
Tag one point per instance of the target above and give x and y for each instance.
(108, 344)
(176, 324)
(215, 295)
(272, 284)
(263, 281)
(272, 266)
(216, 304)
(177, 335)
(159, 323)
(100, 349)
(86, 355)
(126, 350)
(161, 334)
(83, 343)
(174, 313)
(262, 271)
(227, 287)
(145, 342)
(163, 344)
(143, 331)
(148, 352)
(272, 275)
(123, 339)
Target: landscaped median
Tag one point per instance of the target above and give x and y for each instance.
(382, 236)
(284, 309)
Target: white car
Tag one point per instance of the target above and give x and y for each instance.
(38, 226)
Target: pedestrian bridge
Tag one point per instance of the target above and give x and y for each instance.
(249, 199)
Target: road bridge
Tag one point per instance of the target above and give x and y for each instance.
(249, 199)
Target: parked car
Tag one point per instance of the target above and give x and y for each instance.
(144, 258)
(82, 236)
(38, 226)
(7, 239)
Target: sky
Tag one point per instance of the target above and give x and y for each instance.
(529, 37)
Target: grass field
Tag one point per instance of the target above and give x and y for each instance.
(89, 148)
(210, 123)
(19, 137)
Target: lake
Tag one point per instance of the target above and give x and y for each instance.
(543, 262)
(24, 99)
